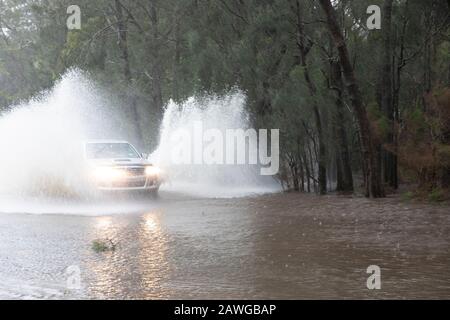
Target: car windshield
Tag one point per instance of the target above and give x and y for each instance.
(110, 150)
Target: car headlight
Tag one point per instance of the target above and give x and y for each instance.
(152, 171)
(108, 173)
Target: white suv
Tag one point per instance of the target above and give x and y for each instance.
(116, 165)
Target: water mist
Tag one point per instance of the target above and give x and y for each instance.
(209, 180)
(41, 164)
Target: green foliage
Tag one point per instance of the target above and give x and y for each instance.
(101, 245)
(177, 49)
(437, 195)
(407, 196)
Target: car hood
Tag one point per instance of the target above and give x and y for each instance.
(120, 162)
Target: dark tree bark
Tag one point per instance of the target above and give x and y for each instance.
(344, 169)
(177, 57)
(387, 102)
(399, 63)
(304, 46)
(302, 176)
(294, 172)
(300, 164)
(339, 175)
(122, 41)
(293, 167)
(373, 183)
(304, 160)
(123, 47)
(156, 76)
(309, 158)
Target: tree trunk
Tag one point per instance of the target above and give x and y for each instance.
(344, 169)
(122, 41)
(307, 173)
(387, 107)
(304, 48)
(177, 57)
(373, 183)
(294, 173)
(311, 166)
(154, 44)
(123, 47)
(302, 176)
(300, 164)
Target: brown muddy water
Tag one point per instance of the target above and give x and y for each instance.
(279, 246)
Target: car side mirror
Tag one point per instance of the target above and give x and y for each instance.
(144, 155)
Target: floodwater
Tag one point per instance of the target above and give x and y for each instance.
(278, 246)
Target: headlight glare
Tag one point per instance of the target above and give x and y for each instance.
(152, 171)
(108, 174)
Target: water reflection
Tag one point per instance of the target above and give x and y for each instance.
(106, 277)
(280, 246)
(152, 263)
(151, 223)
(138, 264)
(103, 223)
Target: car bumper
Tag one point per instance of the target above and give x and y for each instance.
(152, 188)
(131, 184)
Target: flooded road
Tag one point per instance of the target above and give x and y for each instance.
(279, 246)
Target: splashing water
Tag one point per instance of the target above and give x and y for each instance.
(41, 164)
(41, 140)
(208, 180)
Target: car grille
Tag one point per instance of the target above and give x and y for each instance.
(129, 184)
(135, 178)
(135, 171)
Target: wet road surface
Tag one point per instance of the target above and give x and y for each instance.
(279, 246)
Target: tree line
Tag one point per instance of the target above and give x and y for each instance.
(357, 109)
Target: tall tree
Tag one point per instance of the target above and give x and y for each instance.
(344, 169)
(373, 184)
(122, 34)
(304, 46)
(386, 91)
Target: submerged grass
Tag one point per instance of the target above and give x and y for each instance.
(103, 245)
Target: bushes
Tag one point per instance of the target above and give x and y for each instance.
(424, 142)
(438, 195)
(434, 195)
